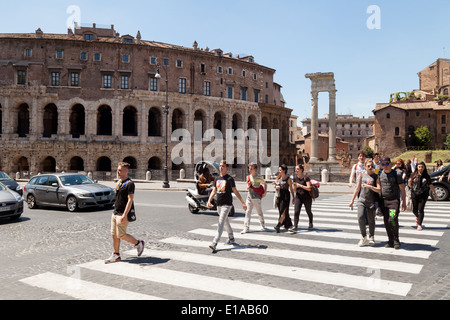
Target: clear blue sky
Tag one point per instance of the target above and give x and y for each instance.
(294, 37)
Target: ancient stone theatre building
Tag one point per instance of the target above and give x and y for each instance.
(88, 99)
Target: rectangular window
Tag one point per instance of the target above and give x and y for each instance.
(443, 119)
(230, 93)
(21, 77)
(202, 68)
(152, 60)
(56, 79)
(219, 69)
(256, 96)
(28, 53)
(75, 79)
(97, 57)
(59, 54)
(89, 37)
(207, 88)
(125, 82)
(182, 85)
(166, 62)
(126, 58)
(83, 56)
(179, 64)
(153, 84)
(243, 94)
(107, 79)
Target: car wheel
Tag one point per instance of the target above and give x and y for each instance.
(72, 204)
(31, 201)
(441, 192)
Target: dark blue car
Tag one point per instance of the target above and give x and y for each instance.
(10, 183)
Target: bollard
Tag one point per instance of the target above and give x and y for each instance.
(148, 176)
(268, 173)
(325, 176)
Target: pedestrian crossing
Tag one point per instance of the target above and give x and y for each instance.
(321, 264)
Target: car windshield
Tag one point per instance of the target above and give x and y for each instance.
(4, 176)
(74, 180)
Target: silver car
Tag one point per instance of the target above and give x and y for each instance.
(70, 190)
(11, 203)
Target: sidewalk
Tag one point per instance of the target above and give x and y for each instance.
(183, 185)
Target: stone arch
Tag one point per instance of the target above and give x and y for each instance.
(154, 122)
(76, 164)
(50, 120)
(23, 120)
(48, 164)
(104, 120)
(77, 121)
(177, 119)
(130, 122)
(132, 161)
(154, 163)
(104, 164)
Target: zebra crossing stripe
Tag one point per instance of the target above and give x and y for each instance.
(291, 272)
(334, 232)
(82, 290)
(353, 224)
(226, 287)
(321, 244)
(309, 256)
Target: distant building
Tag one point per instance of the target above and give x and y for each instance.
(395, 122)
(350, 129)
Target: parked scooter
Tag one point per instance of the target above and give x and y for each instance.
(198, 202)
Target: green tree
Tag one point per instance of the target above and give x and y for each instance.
(369, 151)
(422, 136)
(447, 142)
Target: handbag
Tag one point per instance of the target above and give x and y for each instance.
(260, 191)
(131, 215)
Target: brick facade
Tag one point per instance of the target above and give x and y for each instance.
(86, 101)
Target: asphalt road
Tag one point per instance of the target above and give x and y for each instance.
(48, 240)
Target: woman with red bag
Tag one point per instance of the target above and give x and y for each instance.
(257, 189)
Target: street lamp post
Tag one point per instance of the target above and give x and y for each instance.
(166, 184)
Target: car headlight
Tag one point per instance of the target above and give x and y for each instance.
(86, 195)
(18, 197)
(18, 188)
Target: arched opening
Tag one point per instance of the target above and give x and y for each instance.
(177, 119)
(22, 164)
(50, 120)
(104, 164)
(23, 120)
(132, 161)
(130, 122)
(104, 121)
(48, 165)
(77, 121)
(154, 122)
(76, 164)
(154, 163)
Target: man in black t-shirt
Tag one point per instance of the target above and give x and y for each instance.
(224, 185)
(392, 188)
(124, 207)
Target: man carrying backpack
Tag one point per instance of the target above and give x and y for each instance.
(392, 187)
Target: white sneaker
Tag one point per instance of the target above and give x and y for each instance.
(371, 241)
(362, 242)
(113, 258)
(246, 230)
(140, 247)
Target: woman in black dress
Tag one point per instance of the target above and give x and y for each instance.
(283, 186)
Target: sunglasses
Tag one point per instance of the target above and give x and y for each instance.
(385, 164)
(369, 166)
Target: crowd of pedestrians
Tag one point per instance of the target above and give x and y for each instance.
(381, 187)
